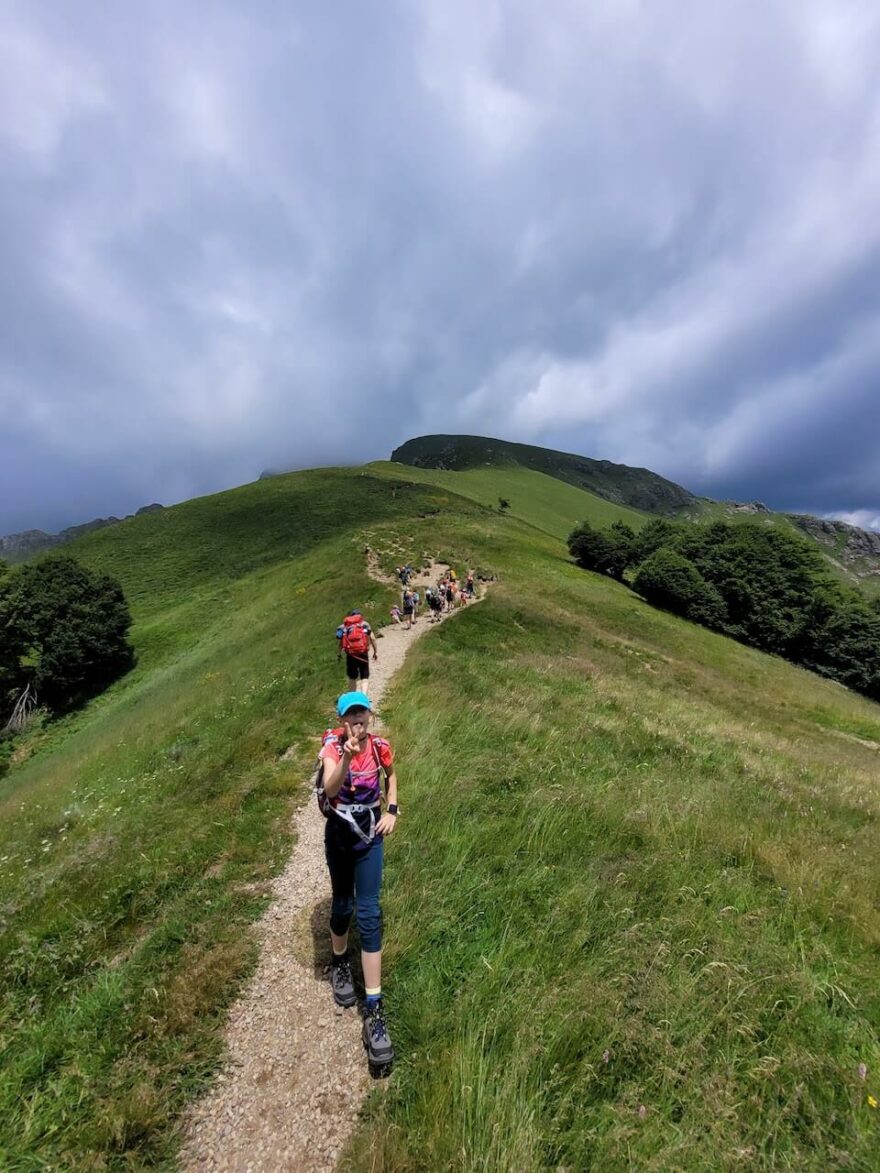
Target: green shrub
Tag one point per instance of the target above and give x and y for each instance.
(669, 580)
(63, 630)
(604, 551)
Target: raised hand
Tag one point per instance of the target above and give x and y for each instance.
(351, 746)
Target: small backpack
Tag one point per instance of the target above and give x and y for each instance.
(355, 640)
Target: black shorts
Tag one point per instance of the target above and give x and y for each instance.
(357, 668)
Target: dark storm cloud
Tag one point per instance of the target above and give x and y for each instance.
(238, 237)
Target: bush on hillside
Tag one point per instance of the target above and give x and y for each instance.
(841, 639)
(63, 630)
(762, 585)
(669, 580)
(767, 577)
(653, 535)
(604, 551)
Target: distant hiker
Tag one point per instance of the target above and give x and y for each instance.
(469, 584)
(434, 605)
(408, 607)
(355, 637)
(417, 602)
(395, 614)
(350, 796)
(450, 595)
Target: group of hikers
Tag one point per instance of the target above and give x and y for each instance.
(348, 781)
(447, 594)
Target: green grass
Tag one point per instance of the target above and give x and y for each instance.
(634, 871)
(137, 837)
(542, 501)
(636, 866)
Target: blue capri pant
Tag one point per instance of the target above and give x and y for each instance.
(356, 879)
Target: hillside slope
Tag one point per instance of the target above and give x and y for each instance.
(638, 488)
(542, 501)
(632, 906)
(853, 554)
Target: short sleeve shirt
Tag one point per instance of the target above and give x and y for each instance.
(363, 782)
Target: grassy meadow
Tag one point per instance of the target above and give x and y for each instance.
(543, 501)
(632, 907)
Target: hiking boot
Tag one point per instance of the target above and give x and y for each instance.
(380, 1053)
(341, 982)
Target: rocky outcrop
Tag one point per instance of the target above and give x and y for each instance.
(858, 549)
(748, 506)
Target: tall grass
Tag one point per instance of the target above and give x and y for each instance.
(137, 837)
(632, 908)
(632, 905)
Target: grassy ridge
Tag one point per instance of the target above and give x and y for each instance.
(136, 841)
(633, 909)
(542, 501)
(636, 866)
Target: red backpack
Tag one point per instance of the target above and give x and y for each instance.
(355, 640)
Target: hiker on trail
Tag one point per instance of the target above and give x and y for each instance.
(469, 584)
(417, 602)
(355, 637)
(434, 605)
(395, 614)
(408, 608)
(450, 594)
(352, 763)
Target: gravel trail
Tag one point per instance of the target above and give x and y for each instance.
(289, 1094)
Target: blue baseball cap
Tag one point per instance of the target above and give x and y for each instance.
(352, 700)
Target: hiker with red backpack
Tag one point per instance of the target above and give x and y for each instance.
(354, 637)
(348, 781)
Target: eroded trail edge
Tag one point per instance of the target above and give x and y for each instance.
(289, 1094)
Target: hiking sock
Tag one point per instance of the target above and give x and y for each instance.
(373, 998)
(338, 957)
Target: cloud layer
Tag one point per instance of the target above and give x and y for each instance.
(270, 235)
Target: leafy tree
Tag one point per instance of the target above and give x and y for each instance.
(653, 535)
(63, 629)
(841, 639)
(767, 577)
(669, 580)
(604, 551)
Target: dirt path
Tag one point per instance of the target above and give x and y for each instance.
(288, 1098)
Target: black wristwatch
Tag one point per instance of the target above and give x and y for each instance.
(392, 808)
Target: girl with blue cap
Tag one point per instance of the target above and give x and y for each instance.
(352, 763)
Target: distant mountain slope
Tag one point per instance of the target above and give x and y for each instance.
(637, 487)
(19, 547)
(854, 553)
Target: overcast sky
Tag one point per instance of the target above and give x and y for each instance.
(274, 235)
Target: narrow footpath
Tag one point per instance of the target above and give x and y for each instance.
(289, 1095)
